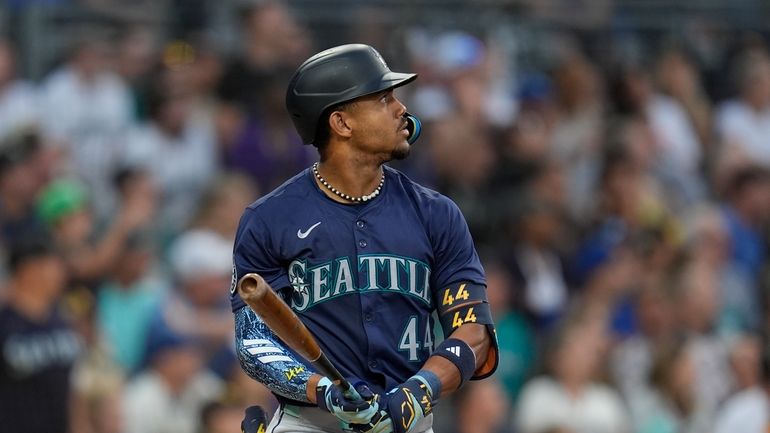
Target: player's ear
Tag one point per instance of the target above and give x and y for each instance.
(340, 123)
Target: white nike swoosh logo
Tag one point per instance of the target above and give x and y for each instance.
(303, 235)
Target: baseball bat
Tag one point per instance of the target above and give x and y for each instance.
(261, 298)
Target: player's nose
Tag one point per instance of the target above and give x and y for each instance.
(400, 108)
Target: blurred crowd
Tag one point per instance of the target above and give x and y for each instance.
(620, 204)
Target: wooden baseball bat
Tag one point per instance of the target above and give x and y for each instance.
(261, 298)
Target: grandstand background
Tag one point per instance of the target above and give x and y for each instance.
(611, 158)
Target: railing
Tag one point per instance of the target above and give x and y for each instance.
(42, 27)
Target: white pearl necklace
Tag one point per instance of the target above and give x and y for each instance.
(363, 198)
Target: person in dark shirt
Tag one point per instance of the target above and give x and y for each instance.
(263, 143)
(23, 172)
(37, 346)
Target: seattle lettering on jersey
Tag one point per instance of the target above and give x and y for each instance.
(335, 278)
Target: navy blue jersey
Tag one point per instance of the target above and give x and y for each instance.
(363, 278)
(36, 360)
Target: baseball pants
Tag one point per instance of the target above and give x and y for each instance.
(297, 419)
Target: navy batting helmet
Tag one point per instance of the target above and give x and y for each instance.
(334, 76)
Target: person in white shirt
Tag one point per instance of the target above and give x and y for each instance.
(178, 148)
(675, 149)
(86, 108)
(19, 104)
(571, 398)
(167, 397)
(747, 410)
(743, 123)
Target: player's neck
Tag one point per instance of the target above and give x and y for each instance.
(353, 176)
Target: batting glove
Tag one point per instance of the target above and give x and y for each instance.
(254, 421)
(380, 423)
(408, 403)
(357, 407)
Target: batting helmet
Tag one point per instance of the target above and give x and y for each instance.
(334, 76)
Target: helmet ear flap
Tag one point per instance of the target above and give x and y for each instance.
(414, 126)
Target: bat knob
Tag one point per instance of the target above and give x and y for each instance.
(252, 287)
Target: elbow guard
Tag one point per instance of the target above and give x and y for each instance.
(265, 358)
(465, 302)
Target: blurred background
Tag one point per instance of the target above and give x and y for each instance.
(611, 158)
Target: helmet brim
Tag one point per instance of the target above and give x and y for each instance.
(389, 80)
(396, 79)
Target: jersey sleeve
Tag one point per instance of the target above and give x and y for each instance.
(253, 251)
(458, 283)
(455, 255)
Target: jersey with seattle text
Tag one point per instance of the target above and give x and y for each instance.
(363, 278)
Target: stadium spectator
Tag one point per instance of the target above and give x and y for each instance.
(516, 337)
(168, 395)
(576, 130)
(570, 397)
(697, 303)
(86, 108)
(217, 417)
(66, 210)
(482, 408)
(631, 359)
(748, 408)
(127, 299)
(743, 123)
(669, 404)
(24, 171)
(19, 99)
(177, 148)
(223, 202)
(38, 347)
(202, 267)
(746, 208)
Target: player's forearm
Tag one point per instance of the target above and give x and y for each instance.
(477, 337)
(264, 358)
(470, 349)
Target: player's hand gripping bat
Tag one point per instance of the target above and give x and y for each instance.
(258, 295)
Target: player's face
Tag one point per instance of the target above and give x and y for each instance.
(380, 127)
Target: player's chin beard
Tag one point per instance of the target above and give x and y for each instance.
(400, 152)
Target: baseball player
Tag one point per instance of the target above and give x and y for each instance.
(366, 258)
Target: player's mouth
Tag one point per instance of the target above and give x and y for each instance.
(404, 129)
